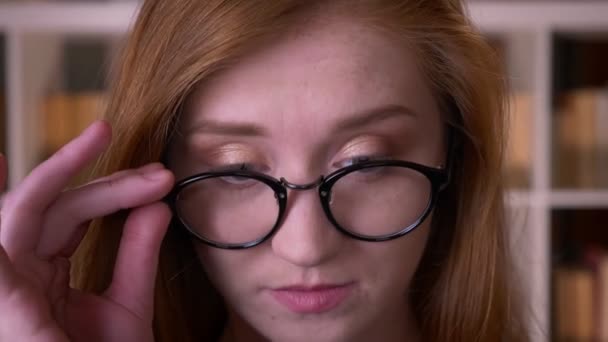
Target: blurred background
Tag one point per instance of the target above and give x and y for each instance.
(55, 57)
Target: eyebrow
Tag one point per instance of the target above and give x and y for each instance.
(367, 117)
(228, 128)
(358, 120)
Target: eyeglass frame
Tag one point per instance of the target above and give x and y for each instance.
(439, 178)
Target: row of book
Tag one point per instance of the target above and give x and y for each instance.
(66, 115)
(519, 153)
(580, 143)
(580, 139)
(580, 299)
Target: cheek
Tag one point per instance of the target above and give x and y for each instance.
(392, 264)
(224, 268)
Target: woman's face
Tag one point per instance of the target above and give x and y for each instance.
(300, 108)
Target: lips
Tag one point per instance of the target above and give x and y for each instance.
(312, 299)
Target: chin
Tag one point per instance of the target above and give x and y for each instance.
(310, 332)
(326, 327)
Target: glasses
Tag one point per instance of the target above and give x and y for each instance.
(374, 201)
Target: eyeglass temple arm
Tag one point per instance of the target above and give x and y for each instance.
(451, 149)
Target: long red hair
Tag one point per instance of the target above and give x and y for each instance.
(465, 288)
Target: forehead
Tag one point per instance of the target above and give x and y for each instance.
(321, 72)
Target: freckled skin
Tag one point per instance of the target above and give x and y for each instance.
(297, 89)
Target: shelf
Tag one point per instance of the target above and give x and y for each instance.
(579, 199)
(68, 17)
(579, 16)
(576, 16)
(559, 199)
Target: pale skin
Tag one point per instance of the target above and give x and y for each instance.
(307, 87)
(294, 109)
(41, 226)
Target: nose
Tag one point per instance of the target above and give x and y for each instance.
(306, 238)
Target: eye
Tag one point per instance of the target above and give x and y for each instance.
(358, 160)
(239, 180)
(239, 167)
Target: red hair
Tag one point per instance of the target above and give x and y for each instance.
(465, 288)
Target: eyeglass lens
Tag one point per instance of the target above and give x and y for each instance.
(372, 202)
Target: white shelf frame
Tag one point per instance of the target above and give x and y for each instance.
(69, 18)
(539, 19)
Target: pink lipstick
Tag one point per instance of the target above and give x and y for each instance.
(312, 299)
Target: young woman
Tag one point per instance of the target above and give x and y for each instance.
(279, 170)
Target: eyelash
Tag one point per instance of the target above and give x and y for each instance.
(358, 160)
(343, 163)
(235, 167)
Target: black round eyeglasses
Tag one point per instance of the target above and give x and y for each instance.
(375, 200)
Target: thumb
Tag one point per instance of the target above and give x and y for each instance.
(137, 260)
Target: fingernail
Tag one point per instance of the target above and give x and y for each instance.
(151, 167)
(156, 174)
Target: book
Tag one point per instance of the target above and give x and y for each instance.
(519, 148)
(582, 139)
(602, 299)
(574, 303)
(65, 115)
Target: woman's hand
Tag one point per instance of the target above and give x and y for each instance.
(40, 228)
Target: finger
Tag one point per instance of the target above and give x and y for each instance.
(8, 276)
(79, 232)
(75, 207)
(137, 260)
(119, 174)
(27, 203)
(70, 247)
(50, 177)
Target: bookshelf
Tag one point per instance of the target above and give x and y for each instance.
(533, 38)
